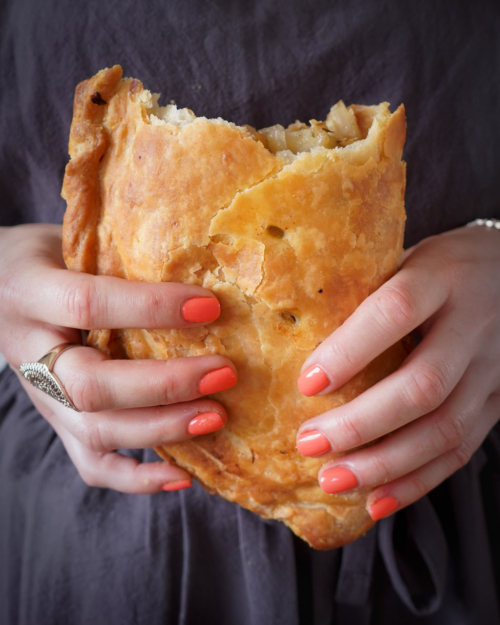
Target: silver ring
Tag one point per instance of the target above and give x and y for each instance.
(488, 223)
(40, 375)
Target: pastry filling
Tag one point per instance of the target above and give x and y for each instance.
(339, 129)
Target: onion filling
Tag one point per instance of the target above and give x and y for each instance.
(339, 129)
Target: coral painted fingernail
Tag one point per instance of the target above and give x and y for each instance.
(312, 381)
(312, 443)
(180, 485)
(217, 381)
(337, 479)
(205, 423)
(201, 309)
(382, 508)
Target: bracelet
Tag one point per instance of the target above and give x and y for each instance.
(489, 223)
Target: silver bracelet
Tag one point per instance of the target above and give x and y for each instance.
(489, 223)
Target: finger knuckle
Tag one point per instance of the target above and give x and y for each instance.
(90, 436)
(461, 455)
(90, 477)
(85, 390)
(80, 300)
(9, 291)
(451, 432)
(418, 486)
(338, 352)
(349, 433)
(395, 304)
(155, 306)
(381, 470)
(426, 387)
(171, 388)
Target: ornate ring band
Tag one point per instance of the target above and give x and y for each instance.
(40, 375)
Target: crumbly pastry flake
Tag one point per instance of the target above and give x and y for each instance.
(289, 243)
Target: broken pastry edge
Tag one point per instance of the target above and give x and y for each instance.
(178, 118)
(367, 116)
(381, 124)
(378, 117)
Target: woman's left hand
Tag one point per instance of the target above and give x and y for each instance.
(436, 410)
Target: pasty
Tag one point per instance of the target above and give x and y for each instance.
(291, 229)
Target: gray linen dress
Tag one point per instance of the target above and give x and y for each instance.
(72, 555)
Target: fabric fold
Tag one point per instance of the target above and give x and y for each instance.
(416, 558)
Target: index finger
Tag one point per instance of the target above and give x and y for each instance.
(390, 313)
(79, 300)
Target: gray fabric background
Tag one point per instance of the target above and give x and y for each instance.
(74, 555)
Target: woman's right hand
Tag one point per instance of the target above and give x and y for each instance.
(123, 404)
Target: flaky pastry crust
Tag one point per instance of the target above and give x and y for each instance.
(289, 245)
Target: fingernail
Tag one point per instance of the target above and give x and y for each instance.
(201, 309)
(312, 381)
(382, 508)
(181, 484)
(217, 381)
(205, 423)
(337, 479)
(312, 443)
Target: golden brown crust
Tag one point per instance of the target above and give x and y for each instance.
(289, 248)
(81, 188)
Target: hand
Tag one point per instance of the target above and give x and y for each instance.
(124, 404)
(435, 411)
